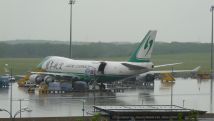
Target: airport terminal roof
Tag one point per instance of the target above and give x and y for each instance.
(143, 110)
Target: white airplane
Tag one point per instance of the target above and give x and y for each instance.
(102, 71)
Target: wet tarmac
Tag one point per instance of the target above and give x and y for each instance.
(190, 93)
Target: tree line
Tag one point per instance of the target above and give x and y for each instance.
(94, 50)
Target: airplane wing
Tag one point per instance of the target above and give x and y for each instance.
(172, 64)
(136, 67)
(57, 74)
(174, 71)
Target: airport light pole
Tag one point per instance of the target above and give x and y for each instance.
(94, 89)
(7, 112)
(183, 103)
(72, 2)
(19, 111)
(172, 90)
(211, 81)
(20, 106)
(171, 94)
(11, 94)
(26, 109)
(83, 109)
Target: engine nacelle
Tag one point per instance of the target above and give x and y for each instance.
(150, 77)
(48, 79)
(36, 78)
(146, 77)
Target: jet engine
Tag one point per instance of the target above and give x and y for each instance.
(150, 77)
(48, 79)
(36, 78)
(146, 77)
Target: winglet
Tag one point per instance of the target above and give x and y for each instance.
(196, 69)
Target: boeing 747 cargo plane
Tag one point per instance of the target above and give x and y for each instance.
(102, 71)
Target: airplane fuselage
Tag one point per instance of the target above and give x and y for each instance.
(103, 70)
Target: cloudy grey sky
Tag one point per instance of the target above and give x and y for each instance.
(106, 20)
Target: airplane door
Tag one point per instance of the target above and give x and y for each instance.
(101, 67)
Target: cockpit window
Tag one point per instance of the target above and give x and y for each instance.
(41, 63)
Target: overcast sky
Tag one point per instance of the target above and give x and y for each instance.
(106, 20)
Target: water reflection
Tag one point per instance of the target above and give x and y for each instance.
(166, 85)
(147, 96)
(196, 94)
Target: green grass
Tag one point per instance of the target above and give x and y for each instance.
(190, 61)
(19, 65)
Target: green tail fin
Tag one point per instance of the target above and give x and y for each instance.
(144, 50)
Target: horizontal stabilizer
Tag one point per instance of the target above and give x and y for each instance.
(133, 67)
